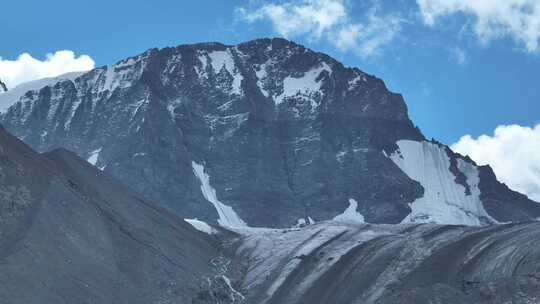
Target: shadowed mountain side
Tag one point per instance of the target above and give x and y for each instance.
(71, 234)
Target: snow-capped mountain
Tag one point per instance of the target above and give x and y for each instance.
(10, 97)
(264, 133)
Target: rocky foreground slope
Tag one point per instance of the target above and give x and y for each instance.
(413, 263)
(70, 234)
(274, 133)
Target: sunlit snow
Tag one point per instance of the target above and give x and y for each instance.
(351, 214)
(201, 226)
(94, 155)
(227, 216)
(444, 200)
(306, 85)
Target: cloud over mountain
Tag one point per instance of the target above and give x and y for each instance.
(27, 68)
(512, 151)
(492, 19)
(328, 20)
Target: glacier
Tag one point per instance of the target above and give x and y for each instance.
(444, 200)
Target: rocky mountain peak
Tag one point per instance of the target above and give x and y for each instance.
(263, 133)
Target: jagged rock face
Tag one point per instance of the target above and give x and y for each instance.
(281, 132)
(71, 234)
(339, 263)
(3, 87)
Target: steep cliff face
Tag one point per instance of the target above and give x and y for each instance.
(71, 234)
(266, 133)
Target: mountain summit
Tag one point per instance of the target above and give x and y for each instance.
(263, 133)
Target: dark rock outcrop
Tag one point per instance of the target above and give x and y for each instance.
(3, 87)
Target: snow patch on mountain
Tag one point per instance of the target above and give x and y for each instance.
(227, 216)
(201, 226)
(444, 200)
(94, 155)
(351, 214)
(122, 74)
(12, 96)
(305, 86)
(261, 77)
(356, 80)
(220, 60)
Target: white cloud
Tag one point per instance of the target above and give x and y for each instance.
(330, 20)
(313, 17)
(26, 68)
(493, 19)
(512, 152)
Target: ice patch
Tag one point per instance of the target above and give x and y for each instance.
(94, 155)
(444, 200)
(227, 216)
(201, 226)
(351, 215)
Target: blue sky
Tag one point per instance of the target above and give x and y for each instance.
(463, 66)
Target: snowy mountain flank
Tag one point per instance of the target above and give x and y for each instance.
(265, 133)
(10, 97)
